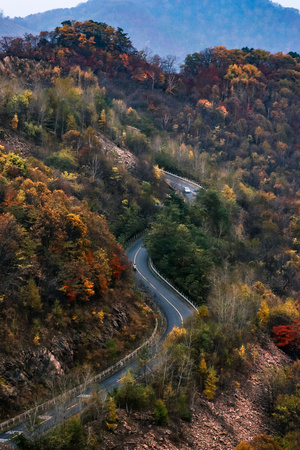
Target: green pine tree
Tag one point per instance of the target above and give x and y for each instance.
(31, 295)
(161, 413)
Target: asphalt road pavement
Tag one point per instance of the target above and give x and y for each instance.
(183, 186)
(175, 309)
(171, 304)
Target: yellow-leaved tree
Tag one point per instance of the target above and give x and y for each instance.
(211, 383)
(112, 416)
(15, 122)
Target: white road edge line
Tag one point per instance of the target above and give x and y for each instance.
(170, 303)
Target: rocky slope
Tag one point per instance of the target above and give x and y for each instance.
(236, 415)
(36, 373)
(72, 341)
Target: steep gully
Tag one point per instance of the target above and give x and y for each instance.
(173, 306)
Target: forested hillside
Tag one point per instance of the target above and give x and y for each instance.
(67, 298)
(100, 118)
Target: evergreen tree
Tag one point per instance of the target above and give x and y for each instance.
(161, 413)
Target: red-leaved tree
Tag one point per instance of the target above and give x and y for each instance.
(288, 336)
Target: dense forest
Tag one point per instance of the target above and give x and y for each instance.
(66, 288)
(91, 122)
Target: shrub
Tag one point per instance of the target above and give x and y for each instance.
(184, 410)
(63, 161)
(15, 166)
(161, 413)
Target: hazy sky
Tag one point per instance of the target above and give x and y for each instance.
(23, 8)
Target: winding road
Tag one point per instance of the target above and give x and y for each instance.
(174, 308)
(186, 187)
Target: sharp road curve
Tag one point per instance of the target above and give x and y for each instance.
(175, 310)
(171, 304)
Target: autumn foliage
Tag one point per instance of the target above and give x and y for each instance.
(288, 336)
(51, 240)
(100, 115)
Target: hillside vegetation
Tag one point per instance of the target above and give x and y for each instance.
(103, 118)
(67, 299)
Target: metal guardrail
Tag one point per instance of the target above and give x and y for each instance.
(171, 286)
(51, 403)
(78, 389)
(184, 179)
(133, 239)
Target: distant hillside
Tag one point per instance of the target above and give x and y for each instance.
(9, 27)
(178, 27)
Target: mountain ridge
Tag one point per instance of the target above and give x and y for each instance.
(173, 27)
